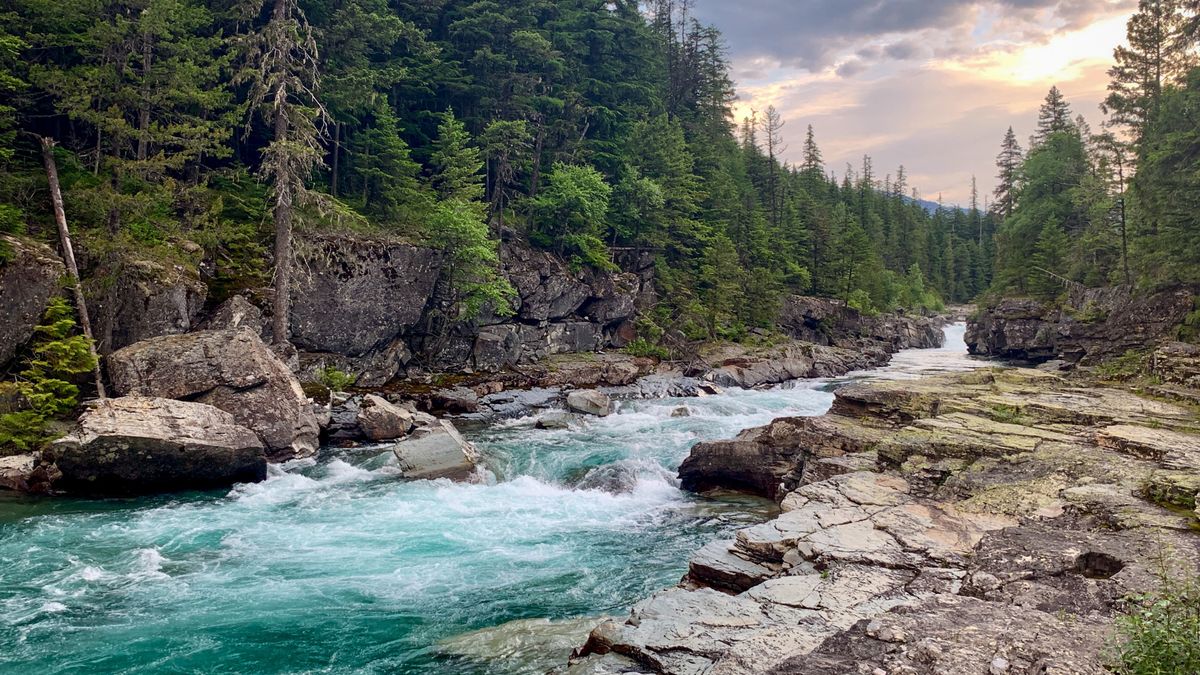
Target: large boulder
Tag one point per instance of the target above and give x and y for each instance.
(136, 445)
(380, 420)
(143, 299)
(437, 451)
(590, 402)
(27, 281)
(229, 369)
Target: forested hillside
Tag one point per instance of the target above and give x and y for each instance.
(206, 132)
(1117, 206)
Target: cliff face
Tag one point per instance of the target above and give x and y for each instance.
(369, 308)
(1095, 324)
(27, 281)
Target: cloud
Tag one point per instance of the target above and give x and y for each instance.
(931, 84)
(815, 34)
(851, 68)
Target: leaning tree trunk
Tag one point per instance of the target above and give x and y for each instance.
(64, 236)
(283, 212)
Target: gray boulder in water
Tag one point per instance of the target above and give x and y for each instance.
(619, 478)
(380, 420)
(554, 420)
(436, 451)
(139, 445)
(590, 402)
(229, 369)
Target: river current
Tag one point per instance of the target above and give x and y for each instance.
(336, 566)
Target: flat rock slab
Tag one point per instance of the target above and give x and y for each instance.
(436, 451)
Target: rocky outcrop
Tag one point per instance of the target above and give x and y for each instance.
(28, 279)
(988, 522)
(829, 322)
(437, 451)
(136, 299)
(1094, 324)
(136, 445)
(360, 299)
(365, 306)
(231, 370)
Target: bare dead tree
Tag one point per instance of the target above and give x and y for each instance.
(68, 253)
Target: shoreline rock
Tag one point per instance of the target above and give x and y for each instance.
(140, 445)
(957, 523)
(229, 369)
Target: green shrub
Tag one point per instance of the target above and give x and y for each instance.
(1160, 631)
(1125, 367)
(335, 380)
(643, 348)
(44, 391)
(1189, 330)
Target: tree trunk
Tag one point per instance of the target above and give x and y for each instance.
(64, 236)
(283, 213)
(540, 142)
(144, 113)
(337, 147)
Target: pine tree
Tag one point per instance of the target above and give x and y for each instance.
(1048, 261)
(456, 165)
(281, 68)
(1152, 59)
(1008, 162)
(1053, 117)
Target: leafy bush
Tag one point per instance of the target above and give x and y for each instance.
(571, 214)
(861, 301)
(1160, 632)
(44, 391)
(642, 347)
(1129, 365)
(334, 379)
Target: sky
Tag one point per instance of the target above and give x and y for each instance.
(930, 84)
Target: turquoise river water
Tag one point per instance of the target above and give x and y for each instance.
(336, 566)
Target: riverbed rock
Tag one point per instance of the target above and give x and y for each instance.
(437, 451)
(589, 402)
(380, 420)
(554, 420)
(229, 369)
(27, 282)
(137, 445)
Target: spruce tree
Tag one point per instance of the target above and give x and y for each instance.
(1053, 117)
(1008, 162)
(1152, 59)
(281, 68)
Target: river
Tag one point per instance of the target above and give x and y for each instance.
(335, 566)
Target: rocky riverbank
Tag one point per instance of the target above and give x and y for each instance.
(366, 309)
(988, 522)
